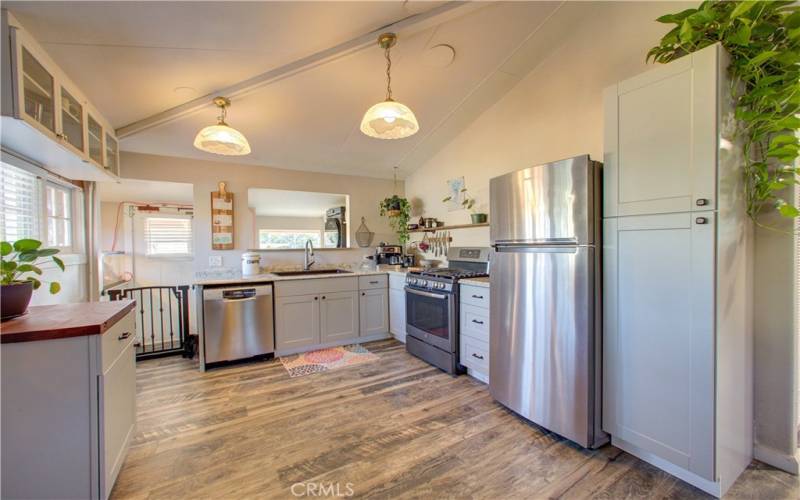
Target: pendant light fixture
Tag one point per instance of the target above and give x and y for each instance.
(222, 139)
(389, 119)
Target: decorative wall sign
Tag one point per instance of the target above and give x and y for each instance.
(222, 219)
(455, 194)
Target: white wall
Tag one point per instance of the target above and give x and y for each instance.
(108, 217)
(554, 112)
(365, 194)
(776, 344)
(72, 280)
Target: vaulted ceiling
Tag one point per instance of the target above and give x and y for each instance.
(310, 70)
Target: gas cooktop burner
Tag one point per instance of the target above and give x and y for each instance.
(456, 274)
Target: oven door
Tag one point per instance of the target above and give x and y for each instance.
(431, 318)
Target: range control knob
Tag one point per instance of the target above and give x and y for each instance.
(422, 282)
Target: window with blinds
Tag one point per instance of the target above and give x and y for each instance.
(19, 204)
(59, 216)
(168, 236)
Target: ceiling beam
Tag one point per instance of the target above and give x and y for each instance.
(410, 24)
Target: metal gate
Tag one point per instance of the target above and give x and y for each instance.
(162, 319)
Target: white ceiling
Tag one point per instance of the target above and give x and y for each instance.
(308, 120)
(146, 191)
(282, 203)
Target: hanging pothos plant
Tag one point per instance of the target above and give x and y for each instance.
(399, 212)
(763, 40)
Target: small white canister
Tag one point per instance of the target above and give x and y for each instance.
(251, 263)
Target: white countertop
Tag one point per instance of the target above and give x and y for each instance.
(265, 277)
(483, 281)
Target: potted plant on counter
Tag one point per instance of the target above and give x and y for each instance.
(20, 271)
(468, 203)
(399, 212)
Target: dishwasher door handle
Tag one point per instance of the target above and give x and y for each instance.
(242, 299)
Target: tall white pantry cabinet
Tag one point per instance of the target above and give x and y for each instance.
(677, 274)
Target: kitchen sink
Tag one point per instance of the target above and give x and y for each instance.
(311, 272)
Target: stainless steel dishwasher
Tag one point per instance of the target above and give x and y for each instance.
(237, 322)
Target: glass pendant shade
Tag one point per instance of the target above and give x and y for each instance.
(222, 140)
(389, 120)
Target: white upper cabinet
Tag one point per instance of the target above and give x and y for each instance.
(661, 139)
(46, 118)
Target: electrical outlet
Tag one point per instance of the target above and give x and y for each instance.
(215, 261)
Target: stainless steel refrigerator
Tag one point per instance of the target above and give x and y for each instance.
(545, 349)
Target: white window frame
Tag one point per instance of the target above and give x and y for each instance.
(43, 178)
(168, 256)
(45, 222)
(289, 231)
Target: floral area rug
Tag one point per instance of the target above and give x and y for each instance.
(324, 360)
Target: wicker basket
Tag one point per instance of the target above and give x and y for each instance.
(364, 235)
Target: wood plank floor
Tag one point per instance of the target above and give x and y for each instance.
(395, 428)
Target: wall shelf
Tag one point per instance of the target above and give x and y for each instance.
(446, 228)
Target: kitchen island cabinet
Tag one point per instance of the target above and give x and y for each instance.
(68, 399)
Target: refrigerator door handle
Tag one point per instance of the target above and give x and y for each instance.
(536, 249)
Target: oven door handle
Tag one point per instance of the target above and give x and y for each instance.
(426, 294)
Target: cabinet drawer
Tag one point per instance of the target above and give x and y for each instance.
(117, 338)
(397, 281)
(315, 286)
(475, 295)
(475, 354)
(474, 322)
(373, 281)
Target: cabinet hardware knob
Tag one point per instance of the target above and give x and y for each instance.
(701, 202)
(476, 356)
(323, 297)
(316, 298)
(363, 293)
(124, 336)
(477, 322)
(701, 220)
(477, 296)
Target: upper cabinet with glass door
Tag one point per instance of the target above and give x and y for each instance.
(46, 118)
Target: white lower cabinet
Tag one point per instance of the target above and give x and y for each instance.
(659, 337)
(68, 412)
(374, 310)
(397, 306)
(338, 316)
(474, 331)
(312, 313)
(296, 321)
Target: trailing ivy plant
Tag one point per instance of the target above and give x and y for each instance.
(399, 212)
(763, 40)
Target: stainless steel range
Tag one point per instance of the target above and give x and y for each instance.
(432, 307)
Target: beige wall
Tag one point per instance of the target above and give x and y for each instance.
(365, 194)
(108, 219)
(555, 112)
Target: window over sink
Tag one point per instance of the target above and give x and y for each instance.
(287, 238)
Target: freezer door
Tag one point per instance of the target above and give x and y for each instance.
(543, 339)
(554, 203)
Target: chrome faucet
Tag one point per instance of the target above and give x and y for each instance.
(308, 256)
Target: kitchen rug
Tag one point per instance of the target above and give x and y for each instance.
(323, 360)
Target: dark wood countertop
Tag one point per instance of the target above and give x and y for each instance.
(64, 320)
